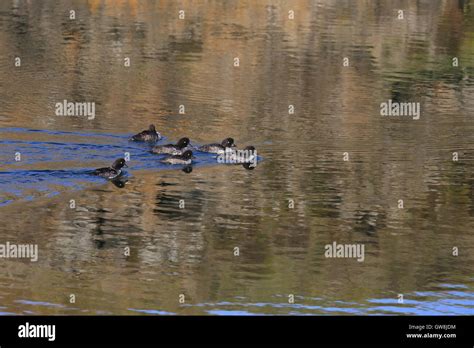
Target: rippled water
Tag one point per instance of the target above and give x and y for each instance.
(282, 62)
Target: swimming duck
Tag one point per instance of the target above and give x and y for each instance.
(185, 158)
(239, 156)
(113, 171)
(149, 135)
(247, 155)
(226, 145)
(172, 149)
(249, 158)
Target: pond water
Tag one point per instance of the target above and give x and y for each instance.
(332, 168)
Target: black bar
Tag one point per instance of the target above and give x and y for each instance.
(134, 330)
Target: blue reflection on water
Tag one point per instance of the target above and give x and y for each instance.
(79, 158)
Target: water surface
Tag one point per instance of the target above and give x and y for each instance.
(282, 62)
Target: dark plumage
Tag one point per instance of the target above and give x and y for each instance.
(172, 149)
(247, 155)
(226, 144)
(149, 135)
(185, 158)
(113, 171)
(187, 169)
(119, 182)
(239, 156)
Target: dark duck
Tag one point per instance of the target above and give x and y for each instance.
(112, 172)
(226, 145)
(172, 149)
(248, 158)
(150, 135)
(247, 155)
(185, 158)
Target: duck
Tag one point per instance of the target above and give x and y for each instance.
(185, 158)
(248, 159)
(239, 156)
(247, 155)
(148, 135)
(172, 149)
(226, 145)
(112, 172)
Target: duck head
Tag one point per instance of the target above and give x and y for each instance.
(187, 155)
(118, 164)
(183, 142)
(228, 142)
